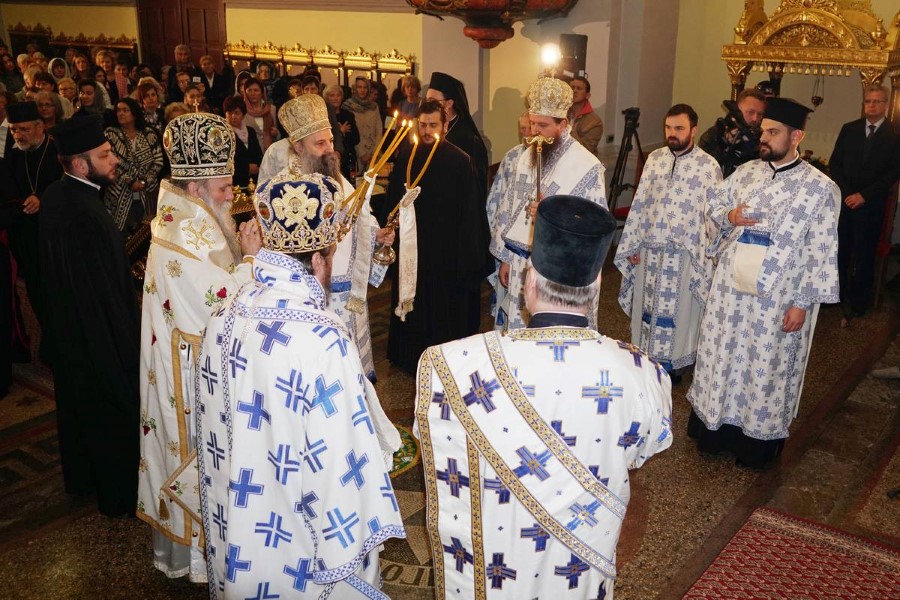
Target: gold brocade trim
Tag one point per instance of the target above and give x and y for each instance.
(174, 248)
(548, 436)
(475, 484)
(432, 510)
(190, 513)
(553, 333)
(512, 483)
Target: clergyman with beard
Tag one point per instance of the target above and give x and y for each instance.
(311, 150)
(776, 254)
(567, 168)
(196, 261)
(662, 252)
(91, 328)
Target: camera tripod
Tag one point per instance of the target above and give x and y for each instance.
(629, 138)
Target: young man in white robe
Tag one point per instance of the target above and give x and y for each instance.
(195, 262)
(312, 151)
(567, 168)
(527, 438)
(662, 252)
(776, 263)
(294, 449)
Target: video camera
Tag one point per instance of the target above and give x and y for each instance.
(741, 147)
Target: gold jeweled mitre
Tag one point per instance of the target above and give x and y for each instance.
(303, 116)
(199, 146)
(549, 97)
(299, 214)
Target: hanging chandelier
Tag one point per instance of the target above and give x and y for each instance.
(490, 22)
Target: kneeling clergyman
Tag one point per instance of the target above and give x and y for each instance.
(293, 446)
(527, 438)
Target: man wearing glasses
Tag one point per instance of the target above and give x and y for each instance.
(865, 164)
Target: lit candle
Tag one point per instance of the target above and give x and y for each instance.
(383, 138)
(401, 133)
(437, 140)
(411, 157)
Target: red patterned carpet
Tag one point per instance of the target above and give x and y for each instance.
(775, 555)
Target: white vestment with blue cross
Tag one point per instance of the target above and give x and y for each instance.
(296, 497)
(665, 293)
(527, 440)
(749, 372)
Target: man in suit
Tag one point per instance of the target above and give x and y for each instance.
(865, 164)
(218, 86)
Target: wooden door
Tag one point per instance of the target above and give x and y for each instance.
(164, 24)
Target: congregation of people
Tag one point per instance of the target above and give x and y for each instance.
(232, 406)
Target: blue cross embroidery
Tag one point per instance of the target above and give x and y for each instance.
(233, 563)
(572, 571)
(441, 400)
(583, 514)
(301, 573)
(634, 351)
(339, 341)
(595, 471)
(453, 477)
(362, 415)
(283, 463)
(601, 592)
(257, 413)
(532, 464)
(354, 473)
(272, 335)
(273, 531)
(537, 534)
(340, 527)
(209, 375)
(559, 348)
(762, 413)
(497, 571)
(311, 453)
(325, 394)
(497, 486)
(631, 437)
(481, 392)
(305, 505)
(568, 439)
(293, 388)
(235, 359)
(387, 491)
(244, 487)
(217, 453)
(603, 393)
(459, 553)
(262, 592)
(220, 521)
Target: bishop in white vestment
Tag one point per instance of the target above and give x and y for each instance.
(568, 168)
(194, 263)
(777, 262)
(294, 449)
(527, 438)
(662, 252)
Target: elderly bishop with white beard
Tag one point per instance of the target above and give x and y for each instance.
(195, 262)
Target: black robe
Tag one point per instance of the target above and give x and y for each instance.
(92, 339)
(453, 238)
(244, 156)
(464, 135)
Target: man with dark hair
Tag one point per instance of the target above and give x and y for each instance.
(587, 127)
(195, 262)
(662, 252)
(461, 129)
(174, 91)
(776, 253)
(91, 329)
(542, 426)
(566, 166)
(734, 138)
(865, 164)
(218, 87)
(443, 243)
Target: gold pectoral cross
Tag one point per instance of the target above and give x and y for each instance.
(196, 238)
(538, 142)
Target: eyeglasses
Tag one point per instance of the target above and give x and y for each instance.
(874, 101)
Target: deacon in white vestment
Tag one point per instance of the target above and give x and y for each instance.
(294, 449)
(662, 253)
(777, 262)
(567, 168)
(311, 150)
(527, 438)
(194, 263)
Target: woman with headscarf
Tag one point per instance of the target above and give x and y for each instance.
(260, 113)
(59, 69)
(131, 197)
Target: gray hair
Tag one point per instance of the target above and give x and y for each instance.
(564, 295)
(876, 87)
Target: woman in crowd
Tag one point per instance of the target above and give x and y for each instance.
(102, 86)
(247, 152)
(194, 99)
(175, 109)
(59, 69)
(82, 68)
(68, 89)
(149, 95)
(334, 98)
(260, 113)
(132, 197)
(10, 75)
(50, 108)
(409, 105)
(90, 99)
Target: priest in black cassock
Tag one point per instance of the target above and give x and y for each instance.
(440, 298)
(33, 166)
(92, 326)
(461, 129)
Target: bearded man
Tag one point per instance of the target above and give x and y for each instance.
(195, 262)
(91, 329)
(567, 168)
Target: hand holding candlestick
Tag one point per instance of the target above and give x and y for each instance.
(538, 142)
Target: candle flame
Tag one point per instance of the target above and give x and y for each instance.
(437, 137)
(396, 113)
(415, 139)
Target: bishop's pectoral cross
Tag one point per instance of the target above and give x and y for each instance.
(538, 142)
(197, 238)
